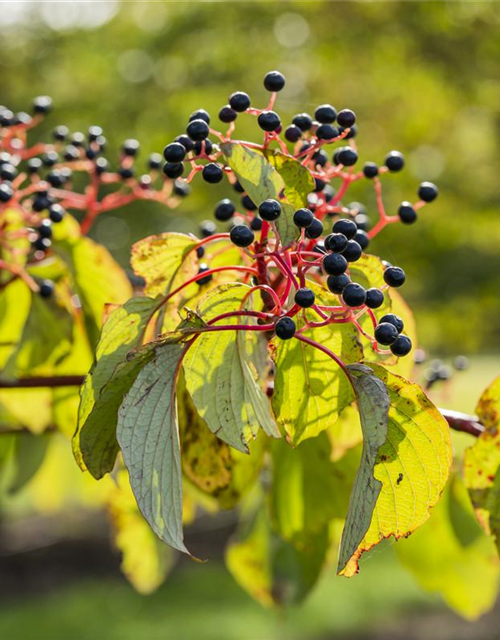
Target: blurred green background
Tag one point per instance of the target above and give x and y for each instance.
(423, 79)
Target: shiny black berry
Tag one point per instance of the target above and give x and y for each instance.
(270, 210)
(50, 158)
(202, 269)
(200, 114)
(101, 166)
(239, 101)
(334, 264)
(8, 172)
(392, 318)
(227, 114)
(303, 121)
(427, 191)
(42, 104)
(353, 251)
(337, 284)
(46, 288)
(285, 328)
(374, 298)
(204, 146)
(370, 170)
(354, 295)
(34, 165)
(327, 132)
(174, 152)
(315, 229)
(394, 276)
(154, 161)
(241, 235)
(42, 244)
(56, 213)
(346, 118)
(186, 142)
(256, 224)
(386, 333)
(6, 191)
(345, 226)
(304, 297)
(198, 130)
(248, 203)
(173, 170)
(126, 173)
(362, 238)
(207, 228)
(212, 173)
(325, 114)
(274, 81)
(224, 210)
(302, 218)
(269, 121)
(45, 229)
(346, 156)
(394, 161)
(336, 242)
(293, 133)
(131, 147)
(402, 346)
(407, 213)
(60, 133)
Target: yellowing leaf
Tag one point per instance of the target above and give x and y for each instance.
(271, 175)
(15, 303)
(145, 560)
(310, 388)
(412, 466)
(481, 467)
(450, 554)
(220, 375)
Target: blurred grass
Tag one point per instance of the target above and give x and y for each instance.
(203, 602)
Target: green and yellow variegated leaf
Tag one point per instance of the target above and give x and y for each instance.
(310, 389)
(146, 561)
(271, 175)
(481, 467)
(221, 377)
(94, 443)
(412, 467)
(451, 555)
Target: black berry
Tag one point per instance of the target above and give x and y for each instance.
(241, 235)
(202, 269)
(392, 318)
(327, 132)
(60, 133)
(173, 170)
(56, 213)
(212, 173)
(315, 229)
(354, 295)
(270, 210)
(274, 81)
(227, 114)
(345, 226)
(204, 146)
(346, 156)
(46, 288)
(198, 130)
(34, 165)
(224, 210)
(427, 191)
(186, 142)
(303, 218)
(207, 228)
(353, 251)
(293, 133)
(346, 118)
(154, 161)
(394, 161)
(394, 276)
(285, 328)
(42, 104)
(336, 242)
(269, 121)
(370, 170)
(325, 114)
(362, 238)
(303, 121)
(248, 203)
(304, 297)
(239, 101)
(45, 229)
(386, 333)
(131, 147)
(374, 298)
(6, 191)
(407, 213)
(337, 284)
(174, 152)
(200, 114)
(334, 264)
(402, 346)
(256, 224)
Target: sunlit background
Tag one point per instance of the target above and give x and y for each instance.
(423, 78)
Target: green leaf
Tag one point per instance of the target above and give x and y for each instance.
(308, 489)
(451, 555)
(146, 561)
(213, 467)
(27, 456)
(412, 466)
(271, 175)
(148, 435)
(15, 303)
(94, 443)
(481, 465)
(272, 570)
(221, 377)
(98, 279)
(310, 389)
(164, 261)
(373, 405)
(46, 338)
